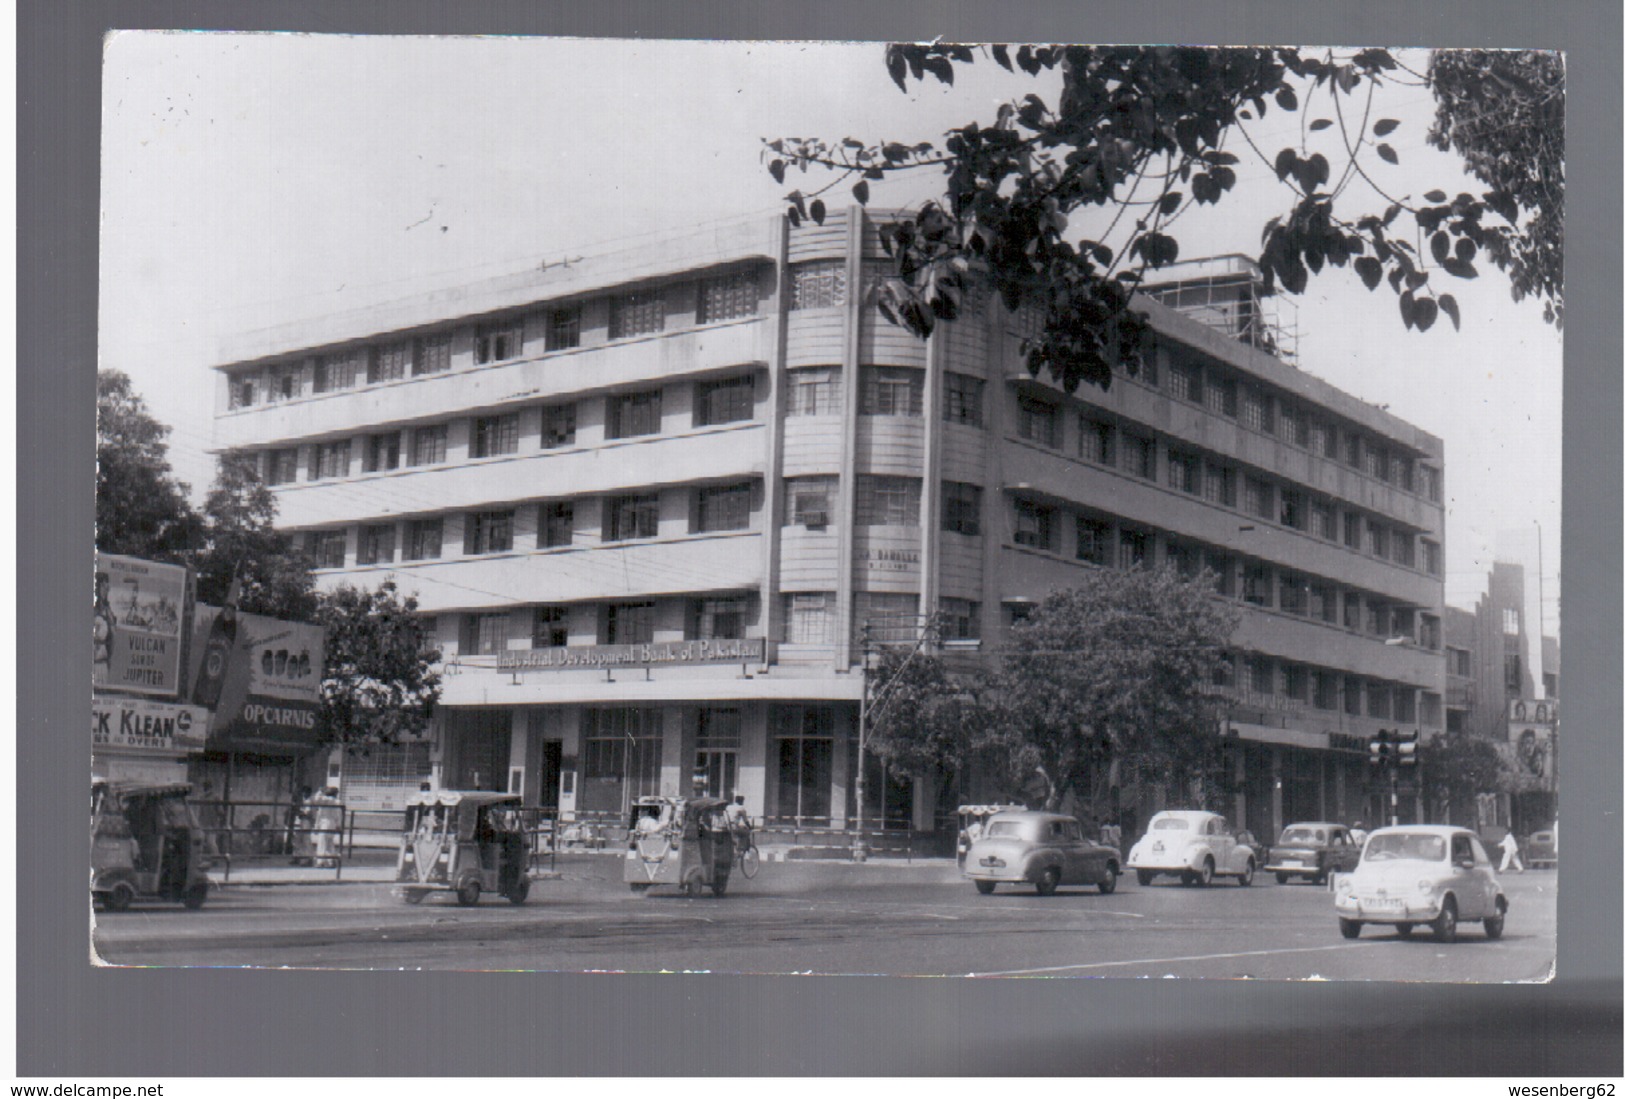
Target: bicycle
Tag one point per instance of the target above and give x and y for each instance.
(746, 854)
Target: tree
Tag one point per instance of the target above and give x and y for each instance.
(242, 543)
(1115, 669)
(141, 510)
(1503, 111)
(379, 683)
(1146, 135)
(1457, 768)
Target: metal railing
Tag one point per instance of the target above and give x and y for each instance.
(300, 833)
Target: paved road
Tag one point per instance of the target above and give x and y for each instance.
(799, 919)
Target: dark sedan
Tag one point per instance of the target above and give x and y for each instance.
(1045, 850)
(1312, 850)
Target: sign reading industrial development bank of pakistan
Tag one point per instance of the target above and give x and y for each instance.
(734, 651)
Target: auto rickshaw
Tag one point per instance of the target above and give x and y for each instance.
(145, 843)
(973, 818)
(463, 842)
(679, 841)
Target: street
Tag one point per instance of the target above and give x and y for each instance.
(919, 919)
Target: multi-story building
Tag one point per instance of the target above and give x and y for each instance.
(651, 498)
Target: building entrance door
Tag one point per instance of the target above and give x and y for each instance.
(547, 796)
(477, 743)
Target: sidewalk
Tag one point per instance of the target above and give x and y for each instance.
(375, 866)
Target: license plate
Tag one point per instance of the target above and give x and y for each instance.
(992, 861)
(1291, 862)
(1383, 904)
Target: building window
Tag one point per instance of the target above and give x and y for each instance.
(1353, 615)
(1320, 437)
(718, 619)
(1133, 548)
(283, 382)
(1402, 471)
(1404, 548)
(636, 314)
(632, 414)
(1221, 396)
(377, 545)
(1223, 568)
(1185, 382)
(1510, 621)
(809, 501)
(558, 524)
(1352, 449)
(1259, 586)
(1094, 541)
(891, 391)
(1376, 539)
(723, 507)
(549, 627)
(1431, 708)
(282, 466)
(1095, 441)
(558, 426)
(1292, 509)
(961, 507)
(1037, 421)
(818, 285)
(962, 399)
(1378, 700)
(1430, 482)
(564, 328)
(332, 460)
(888, 501)
(326, 548)
(1184, 472)
(1431, 559)
(1323, 602)
(814, 391)
(485, 634)
(1293, 428)
(809, 618)
(627, 624)
(1322, 522)
(240, 392)
(960, 619)
(1459, 662)
(1376, 463)
(1219, 486)
(488, 532)
(725, 401)
(1035, 526)
(1353, 695)
(1377, 618)
(1514, 672)
(1260, 498)
(1351, 530)
(383, 452)
(422, 540)
(629, 517)
(620, 757)
(1404, 704)
(1261, 675)
(498, 341)
(429, 445)
(1256, 410)
(1185, 560)
(1140, 456)
(726, 297)
(339, 370)
(1325, 689)
(885, 618)
(1294, 594)
(389, 362)
(1431, 637)
(495, 435)
(431, 355)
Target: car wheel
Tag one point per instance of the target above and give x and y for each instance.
(1246, 878)
(1108, 879)
(468, 894)
(1204, 876)
(1282, 879)
(519, 892)
(414, 896)
(1349, 928)
(1494, 925)
(195, 895)
(1444, 928)
(986, 887)
(640, 888)
(1404, 929)
(1145, 877)
(1048, 879)
(1319, 878)
(120, 897)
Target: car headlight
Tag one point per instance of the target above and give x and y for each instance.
(1425, 887)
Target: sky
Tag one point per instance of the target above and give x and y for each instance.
(251, 180)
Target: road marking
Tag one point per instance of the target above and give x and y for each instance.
(1164, 961)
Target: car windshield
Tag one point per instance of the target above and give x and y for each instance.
(1009, 829)
(1405, 845)
(1170, 824)
(1304, 835)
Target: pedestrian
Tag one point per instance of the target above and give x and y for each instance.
(326, 825)
(300, 816)
(1509, 853)
(1358, 834)
(739, 822)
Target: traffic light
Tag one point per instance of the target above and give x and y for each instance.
(1382, 747)
(1405, 747)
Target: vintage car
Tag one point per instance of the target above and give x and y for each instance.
(1197, 845)
(1433, 874)
(1540, 852)
(1046, 849)
(1313, 850)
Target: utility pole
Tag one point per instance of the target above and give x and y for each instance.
(860, 851)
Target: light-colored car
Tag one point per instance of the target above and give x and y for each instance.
(1197, 845)
(1433, 874)
(1312, 850)
(1047, 850)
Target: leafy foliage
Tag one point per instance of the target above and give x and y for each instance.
(141, 510)
(1459, 767)
(241, 542)
(378, 684)
(1142, 132)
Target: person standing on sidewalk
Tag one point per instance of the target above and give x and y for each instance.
(1509, 853)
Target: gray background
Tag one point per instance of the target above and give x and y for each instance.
(76, 1020)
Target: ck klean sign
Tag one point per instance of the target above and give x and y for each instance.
(147, 726)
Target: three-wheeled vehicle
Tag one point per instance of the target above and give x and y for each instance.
(973, 821)
(679, 841)
(145, 842)
(463, 842)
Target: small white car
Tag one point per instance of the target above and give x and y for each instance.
(1415, 874)
(1197, 845)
